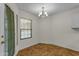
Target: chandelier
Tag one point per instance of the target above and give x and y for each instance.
(43, 12)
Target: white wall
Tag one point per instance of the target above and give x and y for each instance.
(57, 29)
(34, 40)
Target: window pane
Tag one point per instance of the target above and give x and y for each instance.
(23, 36)
(28, 26)
(29, 35)
(25, 26)
(28, 21)
(23, 33)
(28, 31)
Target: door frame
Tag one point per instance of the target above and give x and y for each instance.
(6, 30)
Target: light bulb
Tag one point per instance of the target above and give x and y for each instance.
(43, 13)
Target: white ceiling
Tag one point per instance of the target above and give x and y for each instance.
(51, 8)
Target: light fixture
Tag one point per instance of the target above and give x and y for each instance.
(43, 12)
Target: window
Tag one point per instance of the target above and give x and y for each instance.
(25, 28)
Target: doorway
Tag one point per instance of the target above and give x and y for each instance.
(9, 31)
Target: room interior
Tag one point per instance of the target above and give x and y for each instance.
(54, 29)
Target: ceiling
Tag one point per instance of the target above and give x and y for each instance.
(51, 8)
